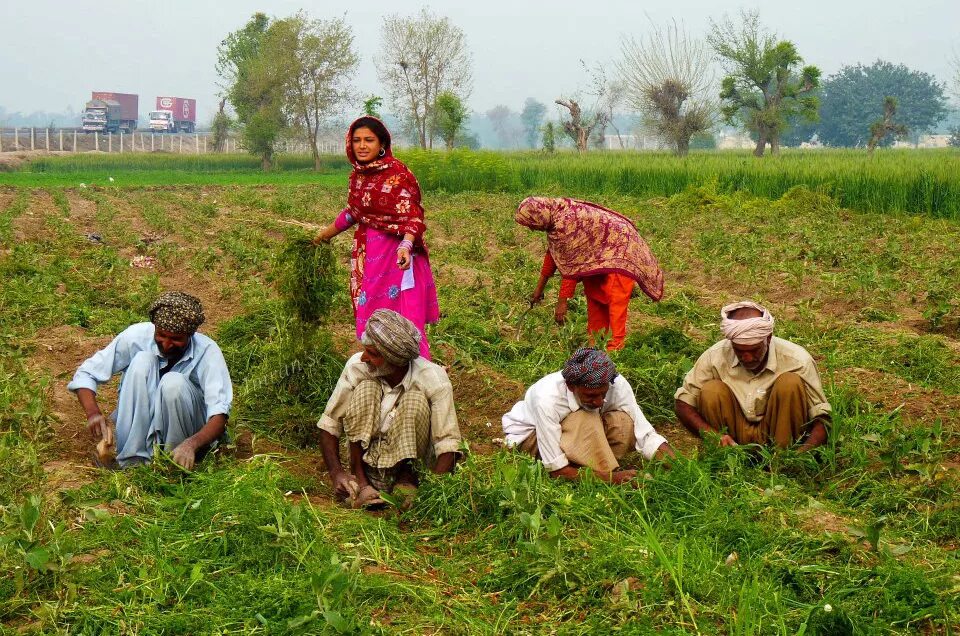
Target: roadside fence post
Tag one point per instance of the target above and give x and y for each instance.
(16, 138)
(96, 141)
(74, 140)
(152, 137)
(47, 131)
(181, 145)
(196, 143)
(121, 142)
(109, 142)
(61, 140)
(33, 135)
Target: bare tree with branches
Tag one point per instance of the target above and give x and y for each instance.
(885, 125)
(669, 78)
(582, 122)
(420, 58)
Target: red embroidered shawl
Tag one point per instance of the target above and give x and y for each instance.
(586, 239)
(385, 195)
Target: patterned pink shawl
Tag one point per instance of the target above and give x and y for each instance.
(587, 239)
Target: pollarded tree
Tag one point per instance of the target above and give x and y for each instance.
(668, 78)
(853, 98)
(885, 126)
(581, 123)
(449, 115)
(531, 117)
(420, 58)
(315, 60)
(765, 87)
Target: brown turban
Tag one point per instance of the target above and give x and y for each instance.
(177, 312)
(396, 338)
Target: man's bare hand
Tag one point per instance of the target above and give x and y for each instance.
(726, 440)
(100, 428)
(536, 298)
(345, 485)
(184, 455)
(622, 476)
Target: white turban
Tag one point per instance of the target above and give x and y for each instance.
(746, 331)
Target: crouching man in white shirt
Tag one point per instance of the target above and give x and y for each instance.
(584, 416)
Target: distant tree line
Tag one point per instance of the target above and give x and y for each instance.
(293, 76)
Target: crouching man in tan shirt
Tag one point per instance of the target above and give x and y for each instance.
(754, 388)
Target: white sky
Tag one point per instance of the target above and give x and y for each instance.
(53, 53)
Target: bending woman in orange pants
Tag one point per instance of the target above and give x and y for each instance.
(599, 247)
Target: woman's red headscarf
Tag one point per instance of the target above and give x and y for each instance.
(384, 194)
(586, 239)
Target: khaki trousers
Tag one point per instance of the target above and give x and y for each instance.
(589, 439)
(784, 420)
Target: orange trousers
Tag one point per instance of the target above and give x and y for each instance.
(608, 297)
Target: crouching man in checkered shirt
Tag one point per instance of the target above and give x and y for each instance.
(395, 408)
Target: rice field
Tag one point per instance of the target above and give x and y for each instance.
(858, 538)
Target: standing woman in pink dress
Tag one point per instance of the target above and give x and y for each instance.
(389, 266)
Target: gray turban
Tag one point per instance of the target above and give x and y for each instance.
(396, 338)
(177, 312)
(589, 368)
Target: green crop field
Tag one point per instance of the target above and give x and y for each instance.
(857, 259)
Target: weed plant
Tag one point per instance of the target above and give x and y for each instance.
(309, 278)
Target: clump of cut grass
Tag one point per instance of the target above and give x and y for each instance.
(309, 277)
(283, 371)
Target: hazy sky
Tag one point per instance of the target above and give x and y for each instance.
(53, 53)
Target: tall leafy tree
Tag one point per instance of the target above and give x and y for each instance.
(420, 58)
(531, 117)
(450, 113)
(252, 88)
(315, 61)
(854, 98)
(765, 87)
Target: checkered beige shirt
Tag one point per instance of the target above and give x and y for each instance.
(425, 376)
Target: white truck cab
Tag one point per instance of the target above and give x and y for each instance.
(162, 121)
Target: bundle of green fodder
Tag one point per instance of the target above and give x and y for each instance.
(308, 277)
(283, 370)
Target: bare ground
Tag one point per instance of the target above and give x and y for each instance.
(483, 394)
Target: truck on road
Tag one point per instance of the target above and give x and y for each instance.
(174, 114)
(110, 112)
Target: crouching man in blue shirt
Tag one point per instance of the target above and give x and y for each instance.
(175, 392)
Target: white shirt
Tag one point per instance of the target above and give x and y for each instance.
(548, 402)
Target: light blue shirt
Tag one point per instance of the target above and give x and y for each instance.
(202, 363)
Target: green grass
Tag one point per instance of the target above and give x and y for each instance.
(894, 181)
(246, 544)
(910, 181)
